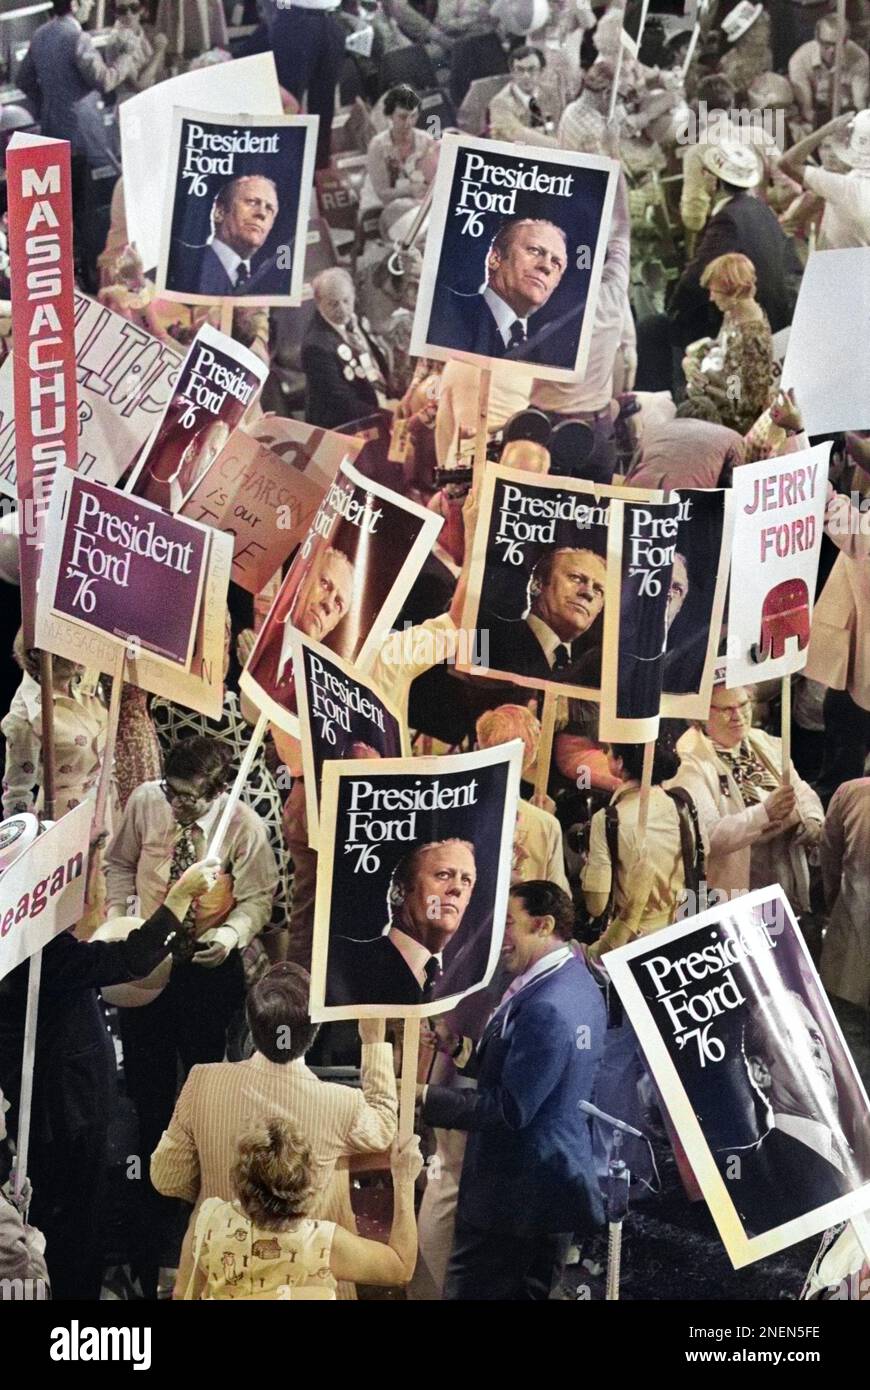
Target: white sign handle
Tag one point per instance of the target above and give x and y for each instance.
(223, 825)
(34, 976)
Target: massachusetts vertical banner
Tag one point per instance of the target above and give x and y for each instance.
(43, 328)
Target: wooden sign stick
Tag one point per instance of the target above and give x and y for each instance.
(482, 419)
(545, 747)
(46, 686)
(408, 1084)
(785, 730)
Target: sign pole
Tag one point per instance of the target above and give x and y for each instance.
(649, 750)
(46, 685)
(245, 766)
(105, 781)
(837, 98)
(226, 324)
(482, 419)
(786, 730)
(408, 1084)
(545, 745)
(34, 976)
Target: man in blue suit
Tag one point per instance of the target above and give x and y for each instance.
(528, 1180)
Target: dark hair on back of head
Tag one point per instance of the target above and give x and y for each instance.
(277, 1011)
(540, 898)
(665, 760)
(401, 98)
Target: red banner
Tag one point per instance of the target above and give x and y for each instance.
(43, 332)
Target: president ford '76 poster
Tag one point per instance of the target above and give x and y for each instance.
(753, 1069)
(239, 194)
(413, 876)
(514, 256)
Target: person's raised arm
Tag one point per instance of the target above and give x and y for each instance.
(794, 161)
(369, 1261)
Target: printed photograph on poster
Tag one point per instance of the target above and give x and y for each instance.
(145, 120)
(125, 378)
(219, 379)
(642, 548)
(779, 509)
(538, 581)
(345, 587)
(752, 1066)
(201, 687)
(696, 601)
(413, 876)
(316, 452)
(265, 504)
(42, 892)
(341, 716)
(116, 563)
(239, 196)
(514, 255)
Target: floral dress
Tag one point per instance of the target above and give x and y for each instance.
(80, 725)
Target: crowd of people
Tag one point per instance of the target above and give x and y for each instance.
(178, 1012)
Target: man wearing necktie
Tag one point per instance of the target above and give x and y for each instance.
(524, 266)
(802, 1160)
(528, 1179)
(521, 111)
(166, 826)
(242, 218)
(565, 599)
(430, 889)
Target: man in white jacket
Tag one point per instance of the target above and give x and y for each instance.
(758, 826)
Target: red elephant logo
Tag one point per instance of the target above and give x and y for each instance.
(785, 613)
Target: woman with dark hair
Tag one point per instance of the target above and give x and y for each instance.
(264, 1245)
(401, 162)
(618, 849)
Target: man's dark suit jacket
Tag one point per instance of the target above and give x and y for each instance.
(514, 647)
(528, 1167)
(465, 323)
(369, 972)
(747, 225)
(330, 399)
(74, 1066)
(781, 1179)
(201, 271)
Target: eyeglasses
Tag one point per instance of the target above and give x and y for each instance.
(732, 712)
(179, 798)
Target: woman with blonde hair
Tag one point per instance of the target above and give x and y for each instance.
(735, 372)
(264, 1245)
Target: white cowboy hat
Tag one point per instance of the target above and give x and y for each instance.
(734, 163)
(740, 20)
(134, 993)
(856, 151)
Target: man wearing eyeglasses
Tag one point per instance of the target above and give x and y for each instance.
(521, 110)
(166, 826)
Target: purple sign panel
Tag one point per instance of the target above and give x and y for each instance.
(130, 570)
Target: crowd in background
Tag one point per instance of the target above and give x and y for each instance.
(706, 250)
